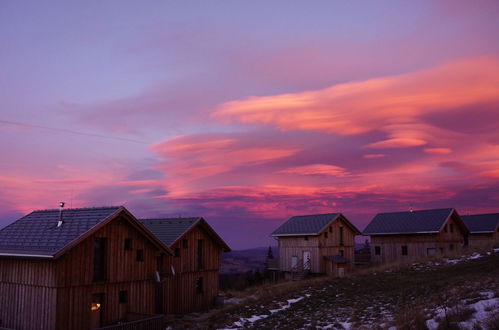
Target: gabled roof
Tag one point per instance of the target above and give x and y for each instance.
(170, 230)
(36, 235)
(310, 225)
(482, 223)
(410, 222)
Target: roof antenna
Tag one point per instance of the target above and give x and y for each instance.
(61, 206)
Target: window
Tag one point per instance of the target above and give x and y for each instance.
(342, 253)
(325, 234)
(341, 236)
(306, 238)
(451, 247)
(404, 250)
(177, 252)
(377, 250)
(140, 255)
(185, 243)
(199, 285)
(451, 228)
(123, 297)
(200, 254)
(128, 244)
(431, 251)
(445, 228)
(100, 259)
(330, 229)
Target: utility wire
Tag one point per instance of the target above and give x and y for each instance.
(63, 130)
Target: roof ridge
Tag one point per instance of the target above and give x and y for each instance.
(179, 218)
(80, 208)
(311, 215)
(414, 211)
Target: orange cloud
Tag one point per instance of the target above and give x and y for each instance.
(394, 105)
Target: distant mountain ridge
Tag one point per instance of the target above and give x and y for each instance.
(240, 261)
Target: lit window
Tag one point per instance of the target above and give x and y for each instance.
(95, 306)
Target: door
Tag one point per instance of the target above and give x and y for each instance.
(306, 260)
(96, 310)
(294, 262)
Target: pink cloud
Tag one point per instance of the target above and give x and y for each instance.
(438, 151)
(317, 169)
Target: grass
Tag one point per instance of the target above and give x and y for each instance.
(370, 298)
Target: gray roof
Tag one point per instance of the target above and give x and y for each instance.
(37, 234)
(305, 224)
(409, 222)
(168, 230)
(481, 223)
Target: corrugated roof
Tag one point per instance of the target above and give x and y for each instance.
(37, 234)
(481, 223)
(305, 224)
(409, 222)
(168, 230)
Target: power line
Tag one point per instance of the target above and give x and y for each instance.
(64, 130)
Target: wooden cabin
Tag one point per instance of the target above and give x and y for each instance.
(484, 229)
(319, 243)
(78, 269)
(401, 236)
(190, 277)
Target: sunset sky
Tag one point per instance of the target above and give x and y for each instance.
(249, 112)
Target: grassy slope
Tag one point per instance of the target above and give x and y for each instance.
(383, 298)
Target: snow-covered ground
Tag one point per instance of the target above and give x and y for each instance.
(483, 308)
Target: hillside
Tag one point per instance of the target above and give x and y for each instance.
(453, 294)
(241, 261)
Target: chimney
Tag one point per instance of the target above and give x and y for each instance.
(61, 206)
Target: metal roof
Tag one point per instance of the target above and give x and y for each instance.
(481, 223)
(409, 222)
(309, 224)
(168, 230)
(37, 234)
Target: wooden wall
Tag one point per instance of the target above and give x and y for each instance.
(319, 246)
(123, 272)
(27, 294)
(56, 294)
(481, 240)
(417, 244)
(179, 290)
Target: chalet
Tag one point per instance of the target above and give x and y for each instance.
(189, 277)
(320, 243)
(400, 236)
(78, 269)
(484, 229)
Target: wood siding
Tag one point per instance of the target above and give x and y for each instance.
(482, 240)
(57, 294)
(418, 245)
(179, 290)
(319, 246)
(123, 273)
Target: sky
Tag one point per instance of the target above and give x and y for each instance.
(249, 112)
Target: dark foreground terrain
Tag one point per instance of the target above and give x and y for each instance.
(460, 293)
